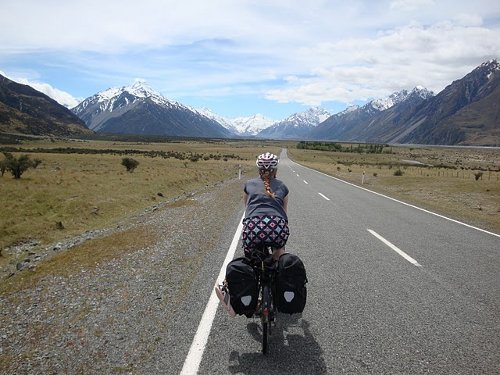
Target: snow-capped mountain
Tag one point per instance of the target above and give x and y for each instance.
(398, 97)
(297, 125)
(252, 125)
(138, 109)
(357, 123)
(242, 126)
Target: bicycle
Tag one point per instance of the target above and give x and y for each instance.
(265, 268)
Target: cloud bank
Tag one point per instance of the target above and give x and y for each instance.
(285, 51)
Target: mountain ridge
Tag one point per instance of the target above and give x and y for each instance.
(25, 110)
(138, 109)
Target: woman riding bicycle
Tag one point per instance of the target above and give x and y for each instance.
(266, 221)
(266, 200)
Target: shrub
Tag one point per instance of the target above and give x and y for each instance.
(398, 172)
(36, 163)
(130, 164)
(16, 166)
(478, 175)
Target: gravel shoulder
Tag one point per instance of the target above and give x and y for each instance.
(122, 315)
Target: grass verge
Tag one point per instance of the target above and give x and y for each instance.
(85, 256)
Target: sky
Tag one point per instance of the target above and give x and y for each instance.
(243, 57)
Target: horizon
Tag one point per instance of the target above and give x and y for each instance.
(239, 60)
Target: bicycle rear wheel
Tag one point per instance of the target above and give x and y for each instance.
(265, 336)
(265, 318)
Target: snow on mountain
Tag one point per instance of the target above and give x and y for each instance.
(311, 117)
(297, 125)
(399, 97)
(243, 126)
(252, 125)
(138, 109)
(117, 97)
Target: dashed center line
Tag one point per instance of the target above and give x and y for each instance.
(395, 248)
(305, 182)
(324, 196)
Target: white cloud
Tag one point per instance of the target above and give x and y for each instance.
(59, 96)
(409, 5)
(401, 58)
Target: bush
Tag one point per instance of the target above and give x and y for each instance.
(398, 172)
(130, 164)
(36, 163)
(16, 166)
(478, 175)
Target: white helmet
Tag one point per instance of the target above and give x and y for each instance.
(267, 161)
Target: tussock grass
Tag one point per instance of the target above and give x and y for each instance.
(68, 194)
(91, 191)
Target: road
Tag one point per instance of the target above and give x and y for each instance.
(392, 290)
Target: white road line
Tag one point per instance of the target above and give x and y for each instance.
(298, 175)
(324, 196)
(395, 248)
(406, 204)
(305, 182)
(193, 359)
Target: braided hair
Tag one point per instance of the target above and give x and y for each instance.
(266, 177)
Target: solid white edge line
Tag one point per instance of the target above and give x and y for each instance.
(195, 354)
(395, 248)
(406, 204)
(324, 196)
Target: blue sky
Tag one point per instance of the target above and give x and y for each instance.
(242, 57)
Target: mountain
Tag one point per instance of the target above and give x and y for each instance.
(240, 126)
(221, 120)
(466, 112)
(27, 111)
(252, 125)
(367, 122)
(137, 109)
(296, 126)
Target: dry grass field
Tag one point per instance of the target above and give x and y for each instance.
(85, 187)
(437, 178)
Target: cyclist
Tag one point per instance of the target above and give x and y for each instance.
(266, 220)
(266, 200)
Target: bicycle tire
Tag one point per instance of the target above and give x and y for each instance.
(266, 299)
(265, 337)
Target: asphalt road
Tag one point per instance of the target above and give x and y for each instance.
(392, 290)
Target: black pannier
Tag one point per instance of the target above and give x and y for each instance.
(243, 286)
(291, 292)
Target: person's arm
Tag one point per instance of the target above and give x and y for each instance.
(285, 203)
(245, 198)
